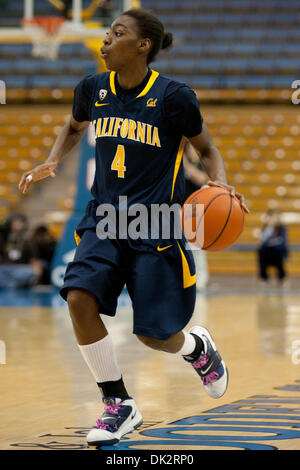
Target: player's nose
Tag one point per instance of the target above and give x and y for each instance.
(107, 40)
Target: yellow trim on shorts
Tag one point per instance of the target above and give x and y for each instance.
(188, 279)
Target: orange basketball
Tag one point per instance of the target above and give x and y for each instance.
(218, 225)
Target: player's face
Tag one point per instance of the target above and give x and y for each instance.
(122, 45)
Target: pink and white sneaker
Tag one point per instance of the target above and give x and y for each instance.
(119, 418)
(209, 365)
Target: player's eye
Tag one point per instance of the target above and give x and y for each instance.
(118, 33)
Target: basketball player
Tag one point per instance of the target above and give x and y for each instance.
(141, 120)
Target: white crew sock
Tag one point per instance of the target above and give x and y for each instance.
(101, 360)
(189, 344)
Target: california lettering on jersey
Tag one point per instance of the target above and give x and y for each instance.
(126, 129)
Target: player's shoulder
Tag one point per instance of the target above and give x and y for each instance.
(176, 89)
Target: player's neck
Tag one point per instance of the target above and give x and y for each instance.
(132, 77)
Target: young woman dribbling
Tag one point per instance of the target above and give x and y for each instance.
(141, 120)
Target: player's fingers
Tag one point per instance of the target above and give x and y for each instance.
(229, 188)
(22, 182)
(27, 185)
(243, 202)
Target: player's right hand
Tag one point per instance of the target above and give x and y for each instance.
(38, 173)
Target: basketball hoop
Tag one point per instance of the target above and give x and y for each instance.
(44, 32)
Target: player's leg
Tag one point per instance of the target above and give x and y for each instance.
(278, 262)
(92, 285)
(262, 263)
(162, 288)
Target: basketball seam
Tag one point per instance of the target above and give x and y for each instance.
(226, 222)
(206, 208)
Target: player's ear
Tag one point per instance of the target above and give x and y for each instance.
(145, 45)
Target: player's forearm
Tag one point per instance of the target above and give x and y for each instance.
(213, 164)
(65, 143)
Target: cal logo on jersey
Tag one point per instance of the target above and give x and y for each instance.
(102, 94)
(151, 102)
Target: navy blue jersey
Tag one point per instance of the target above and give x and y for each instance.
(139, 136)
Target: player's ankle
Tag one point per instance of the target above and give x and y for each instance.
(114, 388)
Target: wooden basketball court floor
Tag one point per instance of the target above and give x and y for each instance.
(49, 399)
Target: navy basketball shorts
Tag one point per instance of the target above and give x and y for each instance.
(160, 280)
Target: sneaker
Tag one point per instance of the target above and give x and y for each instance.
(210, 365)
(119, 418)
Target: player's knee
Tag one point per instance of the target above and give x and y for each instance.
(74, 300)
(152, 343)
(79, 303)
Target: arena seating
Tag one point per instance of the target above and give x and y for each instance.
(222, 44)
(229, 44)
(21, 71)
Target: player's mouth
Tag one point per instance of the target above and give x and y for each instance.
(104, 53)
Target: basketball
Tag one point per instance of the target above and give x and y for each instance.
(220, 222)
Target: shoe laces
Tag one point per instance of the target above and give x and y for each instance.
(201, 361)
(209, 378)
(109, 409)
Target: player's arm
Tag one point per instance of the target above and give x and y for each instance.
(66, 141)
(213, 163)
(197, 176)
(209, 155)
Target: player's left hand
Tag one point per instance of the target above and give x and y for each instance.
(233, 192)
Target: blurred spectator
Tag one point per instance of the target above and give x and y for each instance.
(195, 177)
(17, 268)
(65, 7)
(14, 245)
(43, 246)
(25, 261)
(273, 247)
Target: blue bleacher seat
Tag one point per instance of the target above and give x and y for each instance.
(231, 81)
(30, 66)
(214, 65)
(16, 82)
(15, 50)
(256, 81)
(263, 64)
(286, 63)
(215, 48)
(6, 66)
(42, 81)
(281, 81)
(203, 81)
(224, 34)
(236, 63)
(271, 48)
(244, 48)
(255, 34)
(68, 82)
